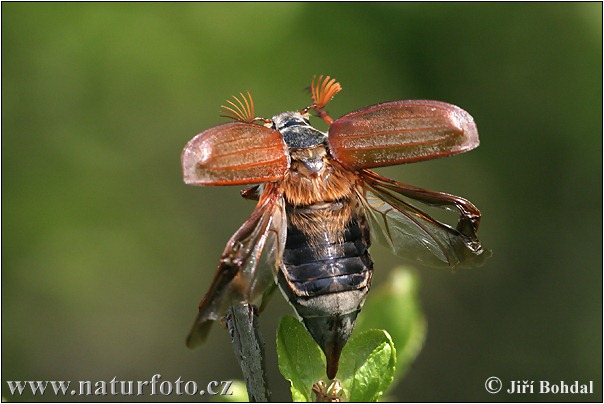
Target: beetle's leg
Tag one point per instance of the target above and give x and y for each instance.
(252, 193)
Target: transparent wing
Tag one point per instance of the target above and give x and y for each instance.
(248, 265)
(413, 234)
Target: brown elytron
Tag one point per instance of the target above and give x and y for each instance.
(318, 204)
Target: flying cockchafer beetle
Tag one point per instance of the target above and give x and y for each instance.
(318, 204)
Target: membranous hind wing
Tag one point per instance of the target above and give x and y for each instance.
(248, 264)
(413, 234)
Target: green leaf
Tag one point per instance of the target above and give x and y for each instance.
(395, 307)
(300, 358)
(367, 365)
(369, 362)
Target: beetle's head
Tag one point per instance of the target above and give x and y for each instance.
(297, 131)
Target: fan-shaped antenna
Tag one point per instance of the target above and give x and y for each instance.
(242, 111)
(322, 90)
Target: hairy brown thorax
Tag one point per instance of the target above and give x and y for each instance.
(320, 201)
(304, 187)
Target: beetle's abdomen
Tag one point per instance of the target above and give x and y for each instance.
(326, 272)
(326, 267)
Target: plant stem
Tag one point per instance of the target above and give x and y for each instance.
(242, 322)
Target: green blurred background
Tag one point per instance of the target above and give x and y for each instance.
(106, 253)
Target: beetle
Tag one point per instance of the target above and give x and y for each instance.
(319, 204)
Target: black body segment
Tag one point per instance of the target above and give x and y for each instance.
(313, 270)
(326, 276)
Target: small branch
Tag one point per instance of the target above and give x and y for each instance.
(242, 322)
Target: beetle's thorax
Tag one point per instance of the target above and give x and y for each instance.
(313, 176)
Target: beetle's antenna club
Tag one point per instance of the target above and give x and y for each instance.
(242, 111)
(323, 90)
